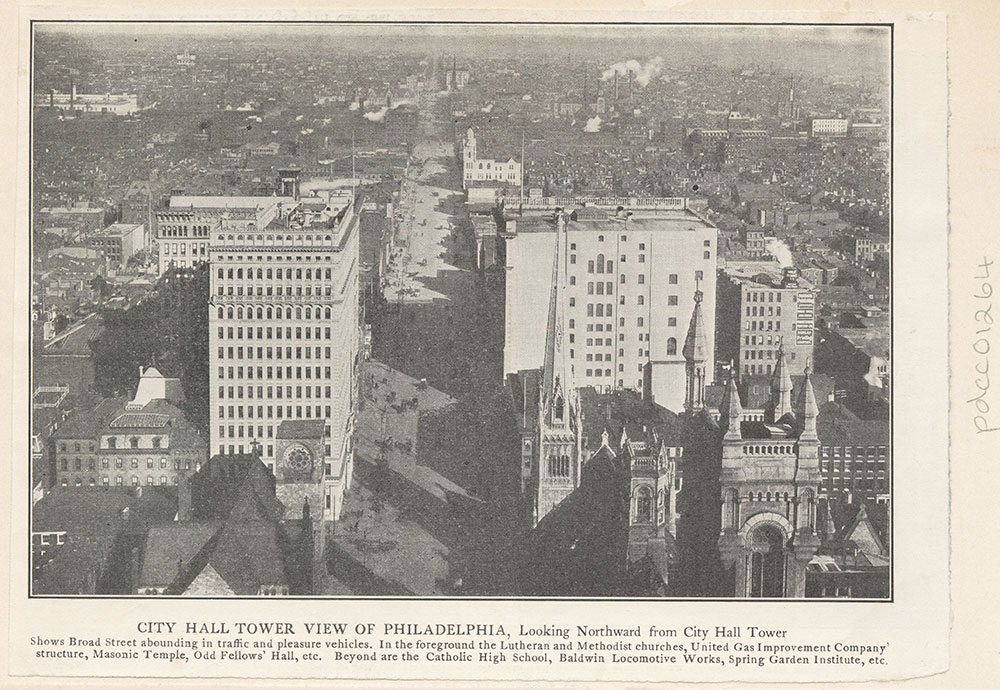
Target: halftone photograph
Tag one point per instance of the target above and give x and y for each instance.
(458, 310)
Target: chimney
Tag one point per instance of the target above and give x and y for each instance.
(52, 98)
(616, 85)
(72, 93)
(184, 498)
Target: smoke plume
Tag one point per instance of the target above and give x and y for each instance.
(641, 73)
(781, 252)
(593, 125)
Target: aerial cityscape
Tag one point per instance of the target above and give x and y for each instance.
(348, 310)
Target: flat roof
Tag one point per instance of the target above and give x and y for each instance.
(181, 202)
(662, 221)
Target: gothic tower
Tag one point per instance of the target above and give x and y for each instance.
(559, 429)
(769, 482)
(695, 357)
(299, 483)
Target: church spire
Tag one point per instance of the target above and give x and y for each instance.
(557, 384)
(781, 385)
(732, 411)
(810, 410)
(695, 348)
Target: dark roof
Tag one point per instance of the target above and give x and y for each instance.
(842, 431)
(301, 428)
(170, 548)
(102, 511)
(86, 423)
(627, 410)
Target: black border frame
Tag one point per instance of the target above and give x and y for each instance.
(624, 24)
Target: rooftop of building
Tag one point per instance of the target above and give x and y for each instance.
(626, 411)
(117, 230)
(97, 511)
(230, 202)
(771, 278)
(594, 219)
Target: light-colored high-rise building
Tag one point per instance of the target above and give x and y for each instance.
(284, 335)
(631, 280)
(183, 231)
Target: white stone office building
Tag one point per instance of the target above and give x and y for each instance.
(631, 283)
(284, 335)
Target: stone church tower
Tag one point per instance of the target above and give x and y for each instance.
(769, 481)
(559, 455)
(299, 483)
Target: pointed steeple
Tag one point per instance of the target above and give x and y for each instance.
(695, 349)
(810, 410)
(695, 345)
(829, 528)
(732, 411)
(557, 384)
(781, 385)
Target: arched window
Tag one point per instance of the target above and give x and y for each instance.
(327, 312)
(600, 263)
(239, 271)
(644, 505)
(559, 407)
(221, 274)
(260, 312)
(308, 312)
(767, 564)
(270, 314)
(671, 346)
(221, 312)
(288, 312)
(229, 313)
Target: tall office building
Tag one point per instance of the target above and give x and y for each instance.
(759, 313)
(184, 229)
(631, 280)
(284, 337)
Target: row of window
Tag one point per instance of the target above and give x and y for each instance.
(133, 442)
(272, 353)
(272, 334)
(230, 313)
(271, 256)
(183, 230)
(267, 451)
(77, 463)
(181, 248)
(236, 411)
(760, 340)
(853, 451)
(759, 326)
(120, 481)
(239, 373)
(276, 274)
(759, 311)
(758, 296)
(275, 292)
(280, 412)
(275, 392)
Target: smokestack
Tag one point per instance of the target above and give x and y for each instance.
(616, 85)
(72, 93)
(630, 86)
(52, 98)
